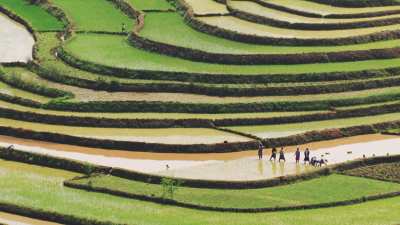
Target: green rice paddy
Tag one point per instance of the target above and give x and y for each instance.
(97, 38)
(41, 188)
(114, 51)
(37, 17)
(320, 190)
(94, 15)
(163, 27)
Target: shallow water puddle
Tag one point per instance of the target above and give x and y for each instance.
(16, 43)
(241, 166)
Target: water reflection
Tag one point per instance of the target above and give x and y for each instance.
(246, 168)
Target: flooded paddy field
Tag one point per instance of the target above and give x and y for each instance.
(256, 9)
(16, 43)
(224, 166)
(206, 7)
(250, 28)
(324, 9)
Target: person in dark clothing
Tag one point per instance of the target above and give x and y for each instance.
(306, 156)
(297, 155)
(282, 155)
(260, 151)
(273, 155)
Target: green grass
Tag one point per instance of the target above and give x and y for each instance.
(37, 17)
(169, 27)
(320, 190)
(285, 129)
(116, 52)
(150, 4)
(94, 15)
(47, 41)
(41, 188)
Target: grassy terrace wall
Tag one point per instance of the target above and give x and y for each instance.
(213, 108)
(220, 78)
(193, 123)
(386, 80)
(259, 59)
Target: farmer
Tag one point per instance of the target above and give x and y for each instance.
(273, 155)
(260, 150)
(297, 155)
(123, 28)
(282, 155)
(307, 156)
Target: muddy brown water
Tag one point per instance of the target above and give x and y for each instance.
(224, 166)
(16, 43)
(12, 219)
(183, 156)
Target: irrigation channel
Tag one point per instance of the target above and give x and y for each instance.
(238, 166)
(16, 43)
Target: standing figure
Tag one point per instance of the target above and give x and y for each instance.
(282, 155)
(307, 156)
(123, 28)
(273, 154)
(260, 151)
(297, 155)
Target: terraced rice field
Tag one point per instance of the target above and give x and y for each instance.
(44, 187)
(325, 10)
(187, 90)
(150, 5)
(244, 27)
(259, 10)
(207, 7)
(172, 23)
(105, 18)
(114, 51)
(270, 131)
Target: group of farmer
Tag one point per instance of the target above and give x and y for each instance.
(281, 153)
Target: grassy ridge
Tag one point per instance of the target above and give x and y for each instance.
(40, 187)
(319, 190)
(37, 17)
(8, 105)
